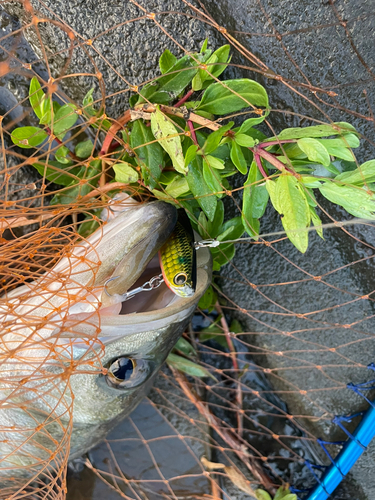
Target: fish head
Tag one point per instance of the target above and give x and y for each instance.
(116, 346)
(134, 345)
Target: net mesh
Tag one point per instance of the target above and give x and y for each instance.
(305, 320)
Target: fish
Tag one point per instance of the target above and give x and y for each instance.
(178, 258)
(75, 358)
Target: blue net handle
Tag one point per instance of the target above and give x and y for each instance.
(351, 451)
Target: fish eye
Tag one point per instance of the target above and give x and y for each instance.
(126, 372)
(180, 279)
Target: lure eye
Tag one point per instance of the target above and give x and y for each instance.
(126, 372)
(180, 279)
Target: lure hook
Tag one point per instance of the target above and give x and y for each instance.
(152, 284)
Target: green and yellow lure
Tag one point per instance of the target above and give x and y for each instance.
(177, 258)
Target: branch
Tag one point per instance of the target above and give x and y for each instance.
(180, 112)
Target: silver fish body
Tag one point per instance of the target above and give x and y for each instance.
(42, 395)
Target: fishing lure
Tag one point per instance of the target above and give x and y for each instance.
(177, 258)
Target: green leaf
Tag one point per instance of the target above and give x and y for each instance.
(262, 495)
(236, 327)
(223, 254)
(64, 119)
(214, 226)
(215, 267)
(166, 61)
(185, 347)
(346, 141)
(236, 229)
(215, 162)
(199, 188)
(124, 172)
(28, 137)
(208, 299)
(61, 154)
(188, 367)
(350, 140)
(212, 178)
(311, 200)
(84, 149)
(338, 128)
(365, 173)
(229, 96)
(356, 201)
(179, 75)
(222, 57)
(289, 199)
(203, 77)
(250, 122)
(47, 117)
(315, 151)
(255, 199)
(271, 188)
(317, 222)
(149, 153)
(36, 97)
(178, 187)
(88, 227)
(310, 181)
(204, 45)
(237, 157)
(331, 168)
(88, 100)
(150, 92)
(167, 177)
(56, 106)
(213, 140)
(202, 225)
(57, 172)
(191, 153)
(79, 189)
(166, 134)
(338, 148)
(231, 230)
(160, 195)
(284, 494)
(133, 100)
(244, 140)
(293, 151)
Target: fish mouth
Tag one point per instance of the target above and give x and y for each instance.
(147, 311)
(148, 227)
(142, 231)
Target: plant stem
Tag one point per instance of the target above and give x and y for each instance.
(184, 99)
(260, 166)
(274, 143)
(269, 157)
(192, 131)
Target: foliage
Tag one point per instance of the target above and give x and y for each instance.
(174, 148)
(281, 494)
